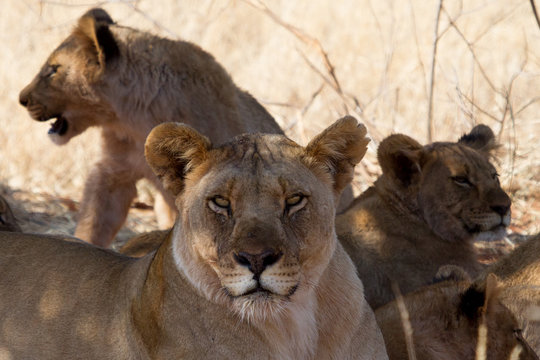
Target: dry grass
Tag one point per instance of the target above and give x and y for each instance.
(310, 62)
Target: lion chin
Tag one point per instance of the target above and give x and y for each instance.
(260, 306)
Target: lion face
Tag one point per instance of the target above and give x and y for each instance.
(461, 189)
(64, 88)
(256, 224)
(454, 186)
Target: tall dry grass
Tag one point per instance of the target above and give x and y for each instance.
(427, 69)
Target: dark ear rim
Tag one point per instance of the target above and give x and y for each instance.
(93, 29)
(478, 298)
(400, 156)
(480, 138)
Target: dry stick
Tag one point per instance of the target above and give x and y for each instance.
(535, 13)
(471, 49)
(405, 321)
(432, 79)
(418, 55)
(333, 80)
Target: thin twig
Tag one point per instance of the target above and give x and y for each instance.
(432, 75)
(535, 13)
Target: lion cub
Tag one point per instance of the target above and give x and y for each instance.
(453, 320)
(126, 82)
(251, 270)
(423, 212)
(520, 275)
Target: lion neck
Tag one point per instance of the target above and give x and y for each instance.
(402, 201)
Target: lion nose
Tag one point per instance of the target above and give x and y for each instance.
(256, 263)
(500, 201)
(500, 209)
(23, 99)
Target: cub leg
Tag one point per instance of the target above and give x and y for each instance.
(107, 196)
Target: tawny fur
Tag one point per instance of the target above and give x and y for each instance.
(239, 203)
(519, 272)
(126, 82)
(423, 212)
(445, 319)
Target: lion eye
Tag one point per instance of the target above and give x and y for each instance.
(51, 70)
(220, 205)
(295, 203)
(221, 202)
(462, 181)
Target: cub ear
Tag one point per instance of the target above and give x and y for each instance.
(338, 149)
(399, 157)
(479, 297)
(481, 138)
(96, 37)
(172, 150)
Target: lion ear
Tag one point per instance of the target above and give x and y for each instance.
(94, 33)
(172, 150)
(481, 138)
(480, 297)
(399, 157)
(338, 149)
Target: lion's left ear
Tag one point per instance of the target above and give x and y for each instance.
(96, 37)
(338, 149)
(172, 150)
(481, 138)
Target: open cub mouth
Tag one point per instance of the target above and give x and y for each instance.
(59, 127)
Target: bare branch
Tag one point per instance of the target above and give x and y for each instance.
(432, 75)
(535, 13)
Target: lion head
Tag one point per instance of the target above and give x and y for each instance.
(452, 186)
(65, 87)
(256, 223)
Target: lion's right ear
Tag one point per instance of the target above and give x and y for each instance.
(94, 34)
(172, 150)
(399, 156)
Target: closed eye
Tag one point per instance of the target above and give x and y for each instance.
(462, 181)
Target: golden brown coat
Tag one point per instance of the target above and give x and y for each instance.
(251, 270)
(125, 82)
(423, 212)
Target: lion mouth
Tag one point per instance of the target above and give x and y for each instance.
(59, 127)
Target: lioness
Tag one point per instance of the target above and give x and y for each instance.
(7, 219)
(251, 270)
(520, 275)
(453, 320)
(126, 82)
(423, 212)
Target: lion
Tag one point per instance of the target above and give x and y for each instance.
(252, 268)
(7, 219)
(424, 212)
(453, 320)
(125, 82)
(519, 272)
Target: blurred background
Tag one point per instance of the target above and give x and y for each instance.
(429, 69)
